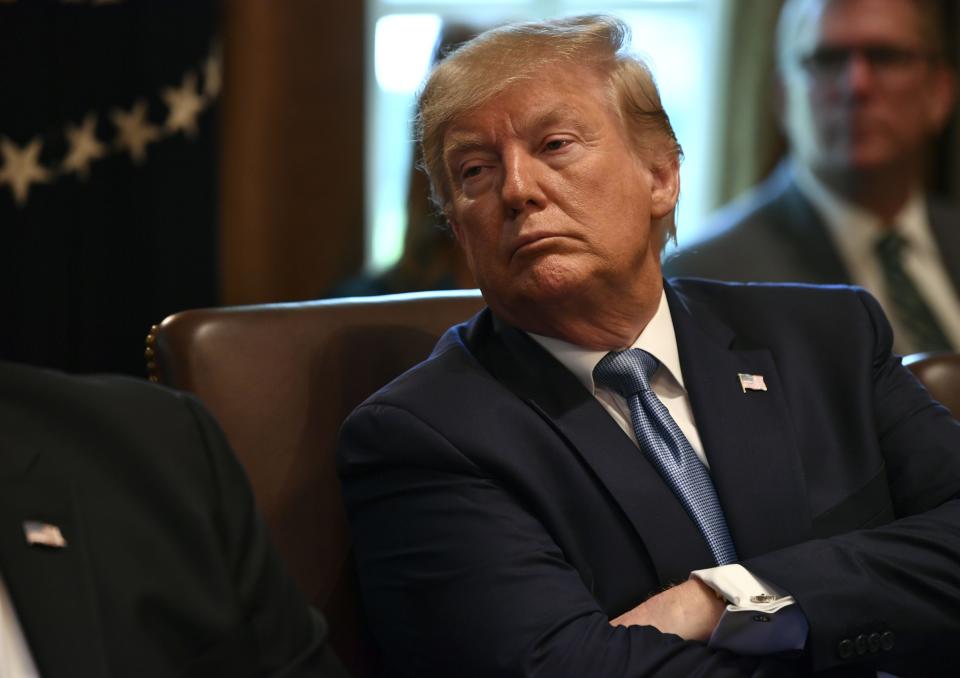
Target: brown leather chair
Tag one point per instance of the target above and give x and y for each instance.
(281, 378)
(940, 373)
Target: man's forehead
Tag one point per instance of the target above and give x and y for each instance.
(862, 22)
(478, 129)
(529, 106)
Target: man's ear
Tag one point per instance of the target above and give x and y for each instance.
(454, 226)
(942, 97)
(664, 187)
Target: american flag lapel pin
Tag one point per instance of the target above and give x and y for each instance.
(39, 533)
(751, 382)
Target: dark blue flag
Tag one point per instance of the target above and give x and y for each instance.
(108, 194)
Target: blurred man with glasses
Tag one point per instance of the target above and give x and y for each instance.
(864, 90)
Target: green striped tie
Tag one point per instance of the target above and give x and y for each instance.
(908, 306)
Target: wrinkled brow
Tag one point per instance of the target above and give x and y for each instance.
(459, 143)
(465, 142)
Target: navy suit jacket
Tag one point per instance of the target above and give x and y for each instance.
(502, 517)
(775, 234)
(167, 569)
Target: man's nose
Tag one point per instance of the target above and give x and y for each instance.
(521, 188)
(859, 74)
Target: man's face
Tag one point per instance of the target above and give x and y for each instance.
(549, 201)
(861, 92)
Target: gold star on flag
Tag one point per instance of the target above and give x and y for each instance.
(84, 146)
(21, 167)
(185, 105)
(134, 131)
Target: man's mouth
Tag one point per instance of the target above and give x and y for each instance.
(527, 240)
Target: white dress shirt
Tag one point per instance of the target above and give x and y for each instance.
(657, 339)
(785, 626)
(855, 232)
(15, 658)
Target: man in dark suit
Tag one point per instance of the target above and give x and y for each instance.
(607, 474)
(130, 544)
(864, 90)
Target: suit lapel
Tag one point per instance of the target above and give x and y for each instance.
(51, 588)
(672, 540)
(805, 235)
(747, 436)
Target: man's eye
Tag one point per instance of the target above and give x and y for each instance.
(826, 60)
(555, 144)
(471, 171)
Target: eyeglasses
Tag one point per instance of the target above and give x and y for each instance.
(830, 62)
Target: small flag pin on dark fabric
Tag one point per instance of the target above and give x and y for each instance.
(43, 534)
(752, 382)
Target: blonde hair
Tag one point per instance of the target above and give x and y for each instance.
(496, 59)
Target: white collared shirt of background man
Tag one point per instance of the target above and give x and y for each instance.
(855, 232)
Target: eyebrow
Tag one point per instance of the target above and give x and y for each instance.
(554, 116)
(465, 142)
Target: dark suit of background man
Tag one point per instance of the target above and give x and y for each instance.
(129, 541)
(864, 90)
(507, 523)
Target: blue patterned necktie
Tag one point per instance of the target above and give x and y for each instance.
(628, 373)
(908, 306)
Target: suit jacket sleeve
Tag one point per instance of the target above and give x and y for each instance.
(461, 579)
(897, 578)
(281, 631)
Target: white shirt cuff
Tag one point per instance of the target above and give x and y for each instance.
(760, 618)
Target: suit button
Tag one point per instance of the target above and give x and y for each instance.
(887, 640)
(860, 643)
(873, 642)
(845, 648)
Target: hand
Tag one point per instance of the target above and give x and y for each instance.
(690, 610)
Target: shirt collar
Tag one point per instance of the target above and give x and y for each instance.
(658, 338)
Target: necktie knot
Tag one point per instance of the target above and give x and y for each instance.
(668, 450)
(626, 372)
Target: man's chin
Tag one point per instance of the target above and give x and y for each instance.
(533, 291)
(861, 162)
(550, 278)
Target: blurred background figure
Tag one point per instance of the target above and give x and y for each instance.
(108, 175)
(431, 258)
(864, 89)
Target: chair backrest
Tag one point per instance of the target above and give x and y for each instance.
(940, 373)
(281, 378)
